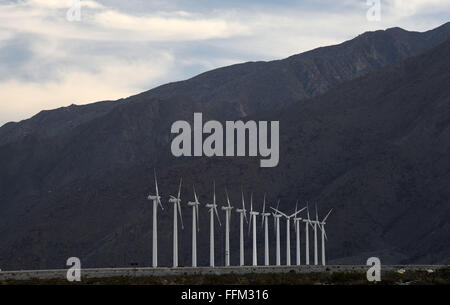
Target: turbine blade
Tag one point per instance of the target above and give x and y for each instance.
(324, 232)
(250, 224)
(214, 188)
(264, 203)
(179, 188)
(195, 194)
(243, 207)
(325, 218)
(156, 183)
(274, 223)
(296, 204)
(228, 198)
(297, 212)
(159, 202)
(217, 214)
(309, 219)
(319, 225)
(307, 210)
(279, 212)
(263, 211)
(181, 217)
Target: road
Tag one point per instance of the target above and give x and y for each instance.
(166, 271)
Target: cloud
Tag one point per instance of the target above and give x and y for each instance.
(5, 35)
(48, 18)
(109, 80)
(180, 26)
(121, 48)
(405, 8)
(61, 4)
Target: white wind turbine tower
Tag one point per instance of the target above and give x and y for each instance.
(156, 200)
(307, 224)
(176, 207)
(324, 236)
(212, 209)
(227, 210)
(253, 215)
(288, 233)
(276, 218)
(297, 235)
(243, 214)
(195, 228)
(265, 223)
(316, 251)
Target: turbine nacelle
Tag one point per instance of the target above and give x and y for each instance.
(194, 205)
(153, 197)
(229, 207)
(226, 208)
(174, 200)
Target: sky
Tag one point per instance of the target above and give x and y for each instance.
(50, 58)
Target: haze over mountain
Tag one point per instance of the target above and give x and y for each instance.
(364, 129)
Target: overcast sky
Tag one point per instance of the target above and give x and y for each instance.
(120, 48)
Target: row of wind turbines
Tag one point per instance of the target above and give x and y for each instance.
(276, 214)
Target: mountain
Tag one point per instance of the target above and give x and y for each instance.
(244, 89)
(363, 125)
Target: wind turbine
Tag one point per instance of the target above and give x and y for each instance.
(288, 233)
(265, 223)
(253, 215)
(195, 228)
(324, 236)
(297, 233)
(212, 208)
(227, 210)
(276, 218)
(316, 251)
(176, 206)
(243, 214)
(156, 200)
(307, 224)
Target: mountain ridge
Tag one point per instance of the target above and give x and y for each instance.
(285, 94)
(374, 148)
